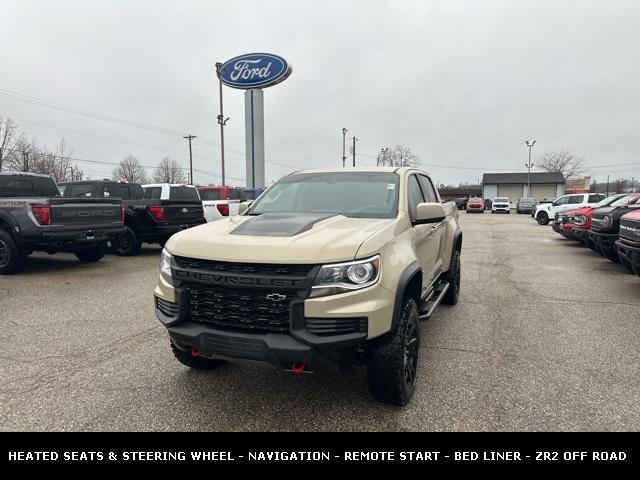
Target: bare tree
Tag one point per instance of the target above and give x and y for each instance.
(398, 156)
(130, 170)
(565, 162)
(9, 139)
(168, 171)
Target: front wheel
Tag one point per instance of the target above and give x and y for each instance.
(542, 218)
(392, 360)
(93, 254)
(12, 257)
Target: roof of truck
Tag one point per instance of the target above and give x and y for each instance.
(26, 174)
(357, 169)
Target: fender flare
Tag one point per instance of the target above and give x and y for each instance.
(408, 274)
(9, 220)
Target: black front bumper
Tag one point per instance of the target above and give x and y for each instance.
(604, 242)
(582, 235)
(332, 352)
(629, 255)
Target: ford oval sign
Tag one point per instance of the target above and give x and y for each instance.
(254, 70)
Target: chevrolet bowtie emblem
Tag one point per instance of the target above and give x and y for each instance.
(276, 297)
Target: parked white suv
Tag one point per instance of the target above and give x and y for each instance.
(547, 211)
(501, 204)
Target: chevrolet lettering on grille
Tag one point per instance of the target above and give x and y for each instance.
(222, 279)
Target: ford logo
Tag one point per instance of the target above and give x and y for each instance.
(254, 70)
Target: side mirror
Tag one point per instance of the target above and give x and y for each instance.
(429, 213)
(243, 206)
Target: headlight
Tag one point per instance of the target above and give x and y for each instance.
(581, 220)
(608, 221)
(165, 266)
(346, 277)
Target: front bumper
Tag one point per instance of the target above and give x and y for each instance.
(310, 339)
(582, 235)
(629, 255)
(500, 209)
(605, 242)
(475, 209)
(566, 230)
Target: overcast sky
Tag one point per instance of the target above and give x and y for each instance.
(462, 83)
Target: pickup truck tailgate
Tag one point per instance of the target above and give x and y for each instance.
(183, 212)
(85, 212)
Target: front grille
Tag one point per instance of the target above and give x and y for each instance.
(246, 268)
(629, 229)
(241, 308)
(336, 326)
(170, 309)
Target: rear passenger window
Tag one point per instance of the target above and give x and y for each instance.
(234, 195)
(414, 196)
(576, 199)
(595, 198)
(123, 192)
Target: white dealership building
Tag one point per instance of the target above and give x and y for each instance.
(515, 185)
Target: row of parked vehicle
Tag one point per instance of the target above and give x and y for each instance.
(499, 205)
(85, 217)
(610, 227)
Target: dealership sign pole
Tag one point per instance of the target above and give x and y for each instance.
(253, 72)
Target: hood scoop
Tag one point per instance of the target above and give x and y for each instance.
(279, 224)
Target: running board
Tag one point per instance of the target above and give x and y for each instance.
(433, 300)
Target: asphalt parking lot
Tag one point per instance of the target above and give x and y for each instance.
(546, 337)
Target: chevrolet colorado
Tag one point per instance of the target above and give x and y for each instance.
(628, 245)
(150, 220)
(34, 217)
(325, 269)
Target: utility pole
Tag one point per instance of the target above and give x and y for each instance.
(26, 161)
(221, 120)
(528, 165)
(344, 155)
(354, 150)
(633, 190)
(190, 137)
(607, 185)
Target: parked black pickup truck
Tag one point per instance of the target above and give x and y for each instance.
(33, 216)
(146, 220)
(605, 227)
(628, 244)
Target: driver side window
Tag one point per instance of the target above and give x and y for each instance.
(414, 196)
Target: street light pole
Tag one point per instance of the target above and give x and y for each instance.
(190, 137)
(354, 150)
(221, 120)
(528, 165)
(344, 153)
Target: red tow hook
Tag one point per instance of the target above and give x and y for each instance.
(195, 352)
(297, 369)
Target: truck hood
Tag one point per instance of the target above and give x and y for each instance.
(277, 238)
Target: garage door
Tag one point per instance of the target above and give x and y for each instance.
(512, 192)
(543, 191)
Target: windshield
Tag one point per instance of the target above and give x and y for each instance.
(610, 200)
(356, 194)
(625, 200)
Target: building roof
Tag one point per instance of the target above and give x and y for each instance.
(463, 190)
(521, 178)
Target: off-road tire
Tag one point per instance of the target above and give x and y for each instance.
(197, 363)
(126, 244)
(392, 360)
(93, 254)
(542, 218)
(453, 277)
(12, 257)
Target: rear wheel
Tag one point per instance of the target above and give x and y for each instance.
(195, 361)
(92, 254)
(126, 244)
(542, 218)
(392, 360)
(12, 257)
(453, 277)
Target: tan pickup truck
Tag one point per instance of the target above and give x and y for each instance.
(326, 269)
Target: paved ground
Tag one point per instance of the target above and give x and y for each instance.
(546, 337)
